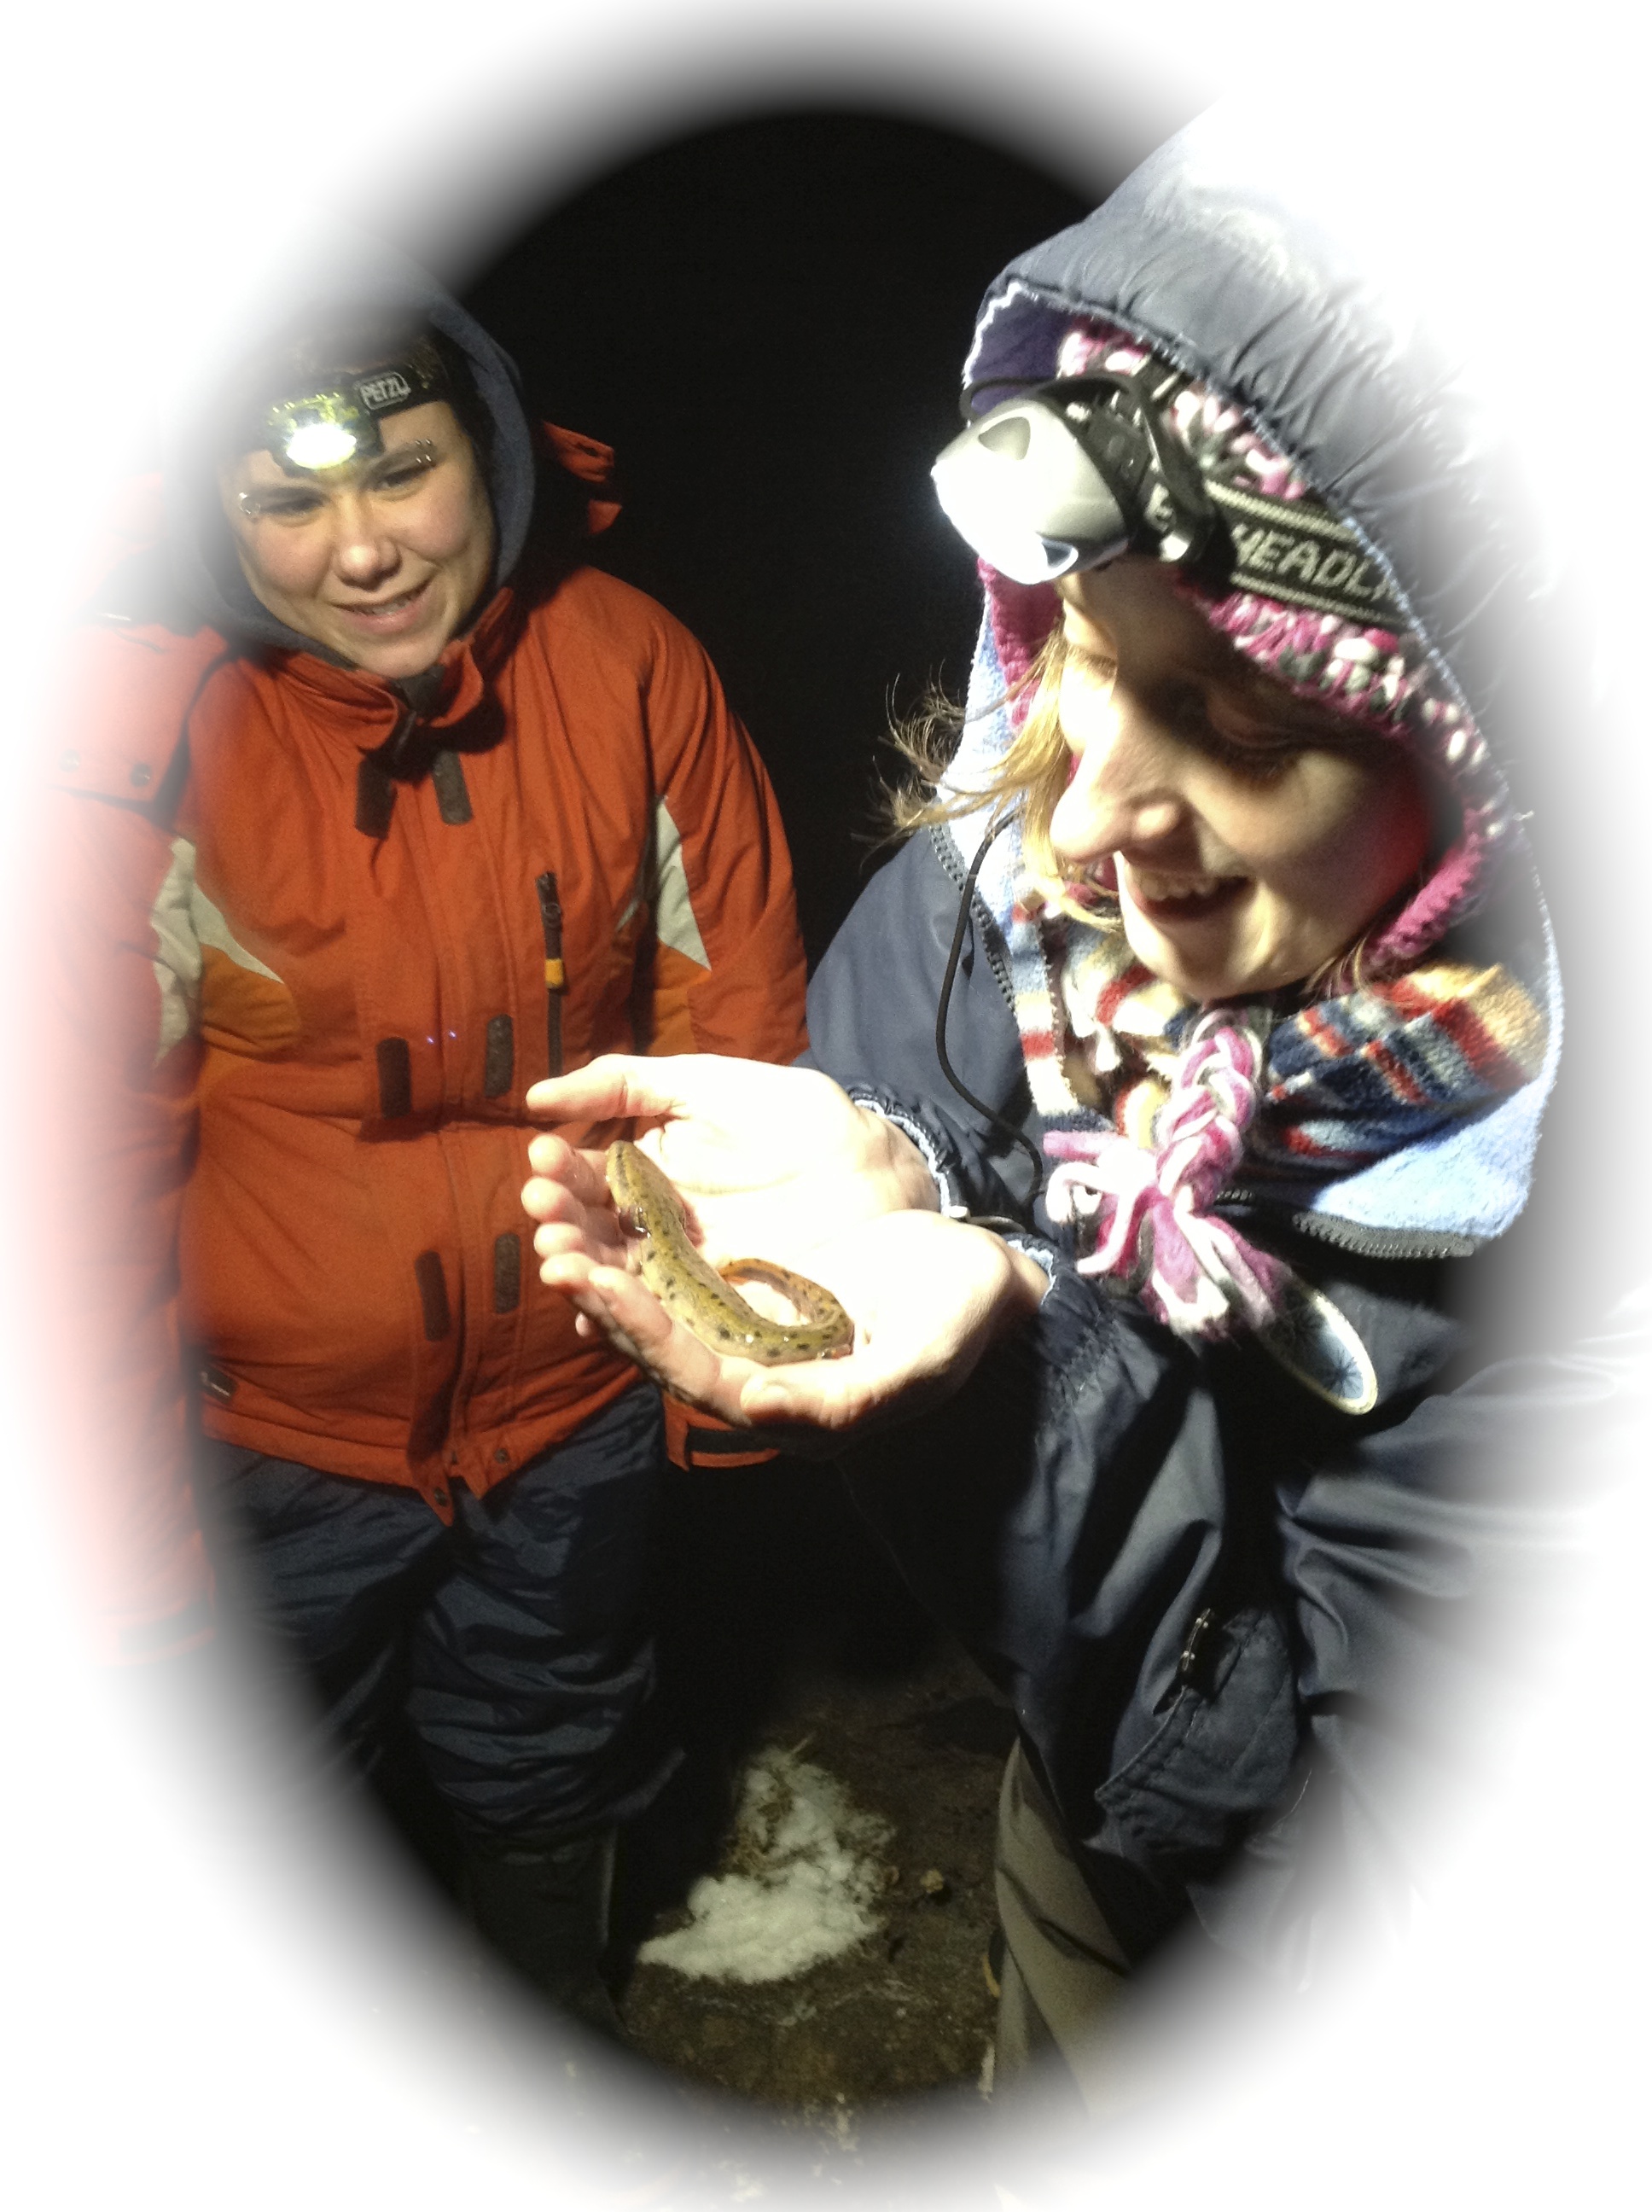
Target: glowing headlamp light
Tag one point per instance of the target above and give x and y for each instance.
(1069, 476)
(322, 432)
(331, 428)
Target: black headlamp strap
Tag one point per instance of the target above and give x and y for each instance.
(354, 401)
(1192, 519)
(1296, 551)
(409, 382)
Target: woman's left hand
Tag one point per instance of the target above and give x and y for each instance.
(929, 1295)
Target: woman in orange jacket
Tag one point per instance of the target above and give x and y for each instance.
(375, 806)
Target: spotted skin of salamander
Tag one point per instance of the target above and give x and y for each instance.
(691, 1290)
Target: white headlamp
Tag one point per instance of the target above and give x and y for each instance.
(1069, 474)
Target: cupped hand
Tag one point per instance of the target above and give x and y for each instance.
(928, 1294)
(771, 1161)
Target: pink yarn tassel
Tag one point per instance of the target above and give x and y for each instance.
(1149, 1210)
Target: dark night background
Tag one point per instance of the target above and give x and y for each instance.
(767, 321)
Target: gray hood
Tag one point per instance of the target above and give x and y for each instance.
(1218, 253)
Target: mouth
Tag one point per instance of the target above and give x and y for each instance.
(1169, 895)
(381, 617)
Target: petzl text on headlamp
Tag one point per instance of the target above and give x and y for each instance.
(1070, 474)
(337, 424)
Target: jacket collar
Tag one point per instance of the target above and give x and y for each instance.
(366, 708)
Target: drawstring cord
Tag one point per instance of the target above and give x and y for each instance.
(1017, 1136)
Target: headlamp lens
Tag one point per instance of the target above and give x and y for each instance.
(1020, 486)
(321, 445)
(336, 422)
(324, 430)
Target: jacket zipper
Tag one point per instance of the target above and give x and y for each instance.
(1350, 1237)
(551, 920)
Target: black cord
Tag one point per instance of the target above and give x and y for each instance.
(1017, 1136)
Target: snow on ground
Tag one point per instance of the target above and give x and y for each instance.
(801, 1876)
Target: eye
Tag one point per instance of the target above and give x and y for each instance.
(279, 504)
(1252, 743)
(399, 472)
(1085, 664)
(1084, 685)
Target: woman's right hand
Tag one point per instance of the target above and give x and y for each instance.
(779, 1162)
(928, 1295)
(770, 1160)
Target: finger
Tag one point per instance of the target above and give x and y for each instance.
(671, 1352)
(565, 1267)
(596, 1230)
(581, 1172)
(560, 1240)
(594, 1317)
(544, 1201)
(636, 1324)
(619, 1087)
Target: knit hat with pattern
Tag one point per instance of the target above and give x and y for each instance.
(1384, 679)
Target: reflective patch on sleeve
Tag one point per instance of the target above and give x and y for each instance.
(674, 921)
(212, 929)
(187, 925)
(178, 956)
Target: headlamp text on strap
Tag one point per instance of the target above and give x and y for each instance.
(337, 423)
(1072, 473)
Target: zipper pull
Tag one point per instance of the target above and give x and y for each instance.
(375, 774)
(551, 920)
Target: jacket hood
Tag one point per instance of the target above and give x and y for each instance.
(345, 271)
(1220, 255)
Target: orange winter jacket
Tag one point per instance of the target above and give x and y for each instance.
(309, 960)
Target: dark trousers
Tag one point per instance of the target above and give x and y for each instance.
(513, 1650)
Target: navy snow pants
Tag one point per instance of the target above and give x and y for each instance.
(515, 1645)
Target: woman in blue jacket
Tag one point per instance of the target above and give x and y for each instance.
(1165, 1089)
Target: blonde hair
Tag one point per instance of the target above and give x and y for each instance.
(1028, 780)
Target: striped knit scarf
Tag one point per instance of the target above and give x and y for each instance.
(1151, 1104)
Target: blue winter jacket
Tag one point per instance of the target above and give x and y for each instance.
(1249, 1638)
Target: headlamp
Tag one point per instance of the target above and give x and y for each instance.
(337, 424)
(1070, 474)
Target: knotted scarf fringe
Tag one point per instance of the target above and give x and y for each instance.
(1147, 1211)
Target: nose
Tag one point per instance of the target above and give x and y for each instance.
(1123, 794)
(364, 551)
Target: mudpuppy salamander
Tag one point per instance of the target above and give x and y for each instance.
(691, 1290)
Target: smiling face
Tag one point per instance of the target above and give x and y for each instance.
(1251, 838)
(382, 561)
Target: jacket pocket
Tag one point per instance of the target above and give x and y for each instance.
(1223, 1755)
